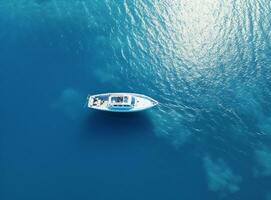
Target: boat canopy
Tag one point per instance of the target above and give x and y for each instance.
(120, 100)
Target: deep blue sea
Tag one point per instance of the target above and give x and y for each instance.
(208, 63)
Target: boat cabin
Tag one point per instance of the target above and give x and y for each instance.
(121, 101)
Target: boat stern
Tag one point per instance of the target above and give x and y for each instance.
(90, 100)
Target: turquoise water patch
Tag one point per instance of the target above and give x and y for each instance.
(220, 176)
(70, 102)
(263, 159)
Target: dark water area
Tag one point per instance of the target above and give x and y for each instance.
(207, 62)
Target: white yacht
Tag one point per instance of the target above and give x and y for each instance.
(120, 102)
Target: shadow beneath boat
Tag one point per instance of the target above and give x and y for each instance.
(99, 124)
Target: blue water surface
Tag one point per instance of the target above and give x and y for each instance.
(208, 63)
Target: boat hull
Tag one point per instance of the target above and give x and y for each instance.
(140, 102)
